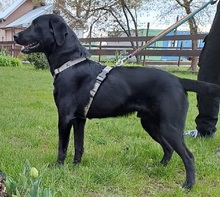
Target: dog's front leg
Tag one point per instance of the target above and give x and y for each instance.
(79, 125)
(64, 126)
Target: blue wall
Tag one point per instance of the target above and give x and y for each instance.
(177, 44)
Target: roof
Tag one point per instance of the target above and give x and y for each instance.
(26, 19)
(11, 9)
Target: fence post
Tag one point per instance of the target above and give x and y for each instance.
(147, 34)
(90, 42)
(181, 47)
(100, 47)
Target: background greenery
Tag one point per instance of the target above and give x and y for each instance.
(120, 158)
(39, 60)
(7, 61)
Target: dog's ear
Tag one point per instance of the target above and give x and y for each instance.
(59, 29)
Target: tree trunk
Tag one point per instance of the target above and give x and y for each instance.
(193, 30)
(138, 59)
(194, 60)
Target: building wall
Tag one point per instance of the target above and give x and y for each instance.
(1, 35)
(23, 9)
(152, 32)
(177, 45)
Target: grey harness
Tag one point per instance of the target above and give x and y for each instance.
(99, 79)
(67, 65)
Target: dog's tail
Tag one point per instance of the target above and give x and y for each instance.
(200, 87)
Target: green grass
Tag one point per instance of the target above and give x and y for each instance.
(120, 158)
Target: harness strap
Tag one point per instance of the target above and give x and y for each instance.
(67, 65)
(99, 79)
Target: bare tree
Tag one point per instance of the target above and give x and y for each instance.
(110, 16)
(169, 9)
(125, 17)
(186, 4)
(122, 15)
(76, 12)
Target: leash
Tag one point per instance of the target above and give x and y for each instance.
(165, 32)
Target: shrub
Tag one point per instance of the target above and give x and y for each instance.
(23, 57)
(14, 62)
(39, 60)
(6, 60)
(4, 52)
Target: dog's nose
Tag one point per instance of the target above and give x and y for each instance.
(16, 36)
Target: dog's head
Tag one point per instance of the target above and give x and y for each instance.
(44, 34)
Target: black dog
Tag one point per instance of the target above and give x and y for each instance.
(158, 97)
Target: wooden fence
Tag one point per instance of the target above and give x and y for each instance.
(104, 47)
(11, 47)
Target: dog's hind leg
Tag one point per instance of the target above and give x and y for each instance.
(79, 125)
(153, 130)
(174, 137)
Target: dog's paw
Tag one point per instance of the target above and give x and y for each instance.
(187, 186)
(76, 161)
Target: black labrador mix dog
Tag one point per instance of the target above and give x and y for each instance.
(159, 98)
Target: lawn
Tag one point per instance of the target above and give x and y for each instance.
(120, 158)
